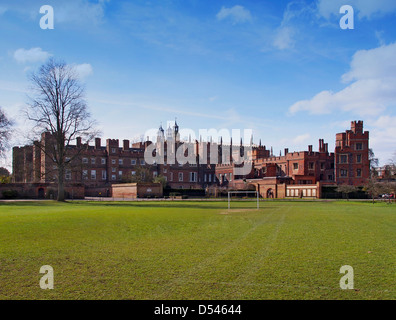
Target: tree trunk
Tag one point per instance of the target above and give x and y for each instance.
(61, 182)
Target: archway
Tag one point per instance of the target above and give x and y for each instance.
(41, 193)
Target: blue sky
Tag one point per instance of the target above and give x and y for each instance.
(284, 69)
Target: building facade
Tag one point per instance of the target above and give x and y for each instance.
(98, 167)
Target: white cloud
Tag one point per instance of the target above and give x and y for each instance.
(285, 35)
(237, 14)
(365, 8)
(372, 64)
(373, 90)
(31, 55)
(83, 70)
(284, 38)
(382, 138)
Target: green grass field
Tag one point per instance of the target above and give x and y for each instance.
(197, 250)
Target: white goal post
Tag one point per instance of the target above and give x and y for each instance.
(245, 192)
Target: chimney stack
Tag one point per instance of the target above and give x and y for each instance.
(97, 143)
(78, 139)
(310, 148)
(286, 151)
(126, 145)
(321, 145)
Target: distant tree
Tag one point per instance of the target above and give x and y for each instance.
(141, 174)
(58, 106)
(374, 162)
(4, 172)
(374, 188)
(160, 179)
(392, 166)
(5, 176)
(388, 188)
(5, 131)
(346, 190)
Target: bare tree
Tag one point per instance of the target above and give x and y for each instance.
(374, 188)
(346, 190)
(58, 106)
(5, 131)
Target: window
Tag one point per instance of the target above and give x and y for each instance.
(205, 177)
(85, 174)
(113, 177)
(120, 161)
(155, 174)
(93, 174)
(171, 176)
(180, 176)
(142, 163)
(68, 174)
(113, 150)
(103, 161)
(104, 175)
(209, 178)
(113, 161)
(230, 176)
(133, 162)
(133, 173)
(67, 159)
(343, 173)
(113, 169)
(330, 177)
(359, 172)
(343, 158)
(295, 166)
(165, 170)
(193, 177)
(120, 174)
(359, 158)
(84, 160)
(359, 146)
(322, 166)
(311, 165)
(92, 160)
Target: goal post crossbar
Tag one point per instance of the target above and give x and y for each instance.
(245, 192)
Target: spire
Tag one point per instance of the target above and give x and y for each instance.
(272, 152)
(260, 143)
(176, 127)
(251, 140)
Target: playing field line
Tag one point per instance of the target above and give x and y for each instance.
(212, 260)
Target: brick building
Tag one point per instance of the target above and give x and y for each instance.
(98, 167)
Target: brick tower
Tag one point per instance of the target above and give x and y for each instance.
(352, 165)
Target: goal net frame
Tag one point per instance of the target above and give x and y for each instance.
(245, 192)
